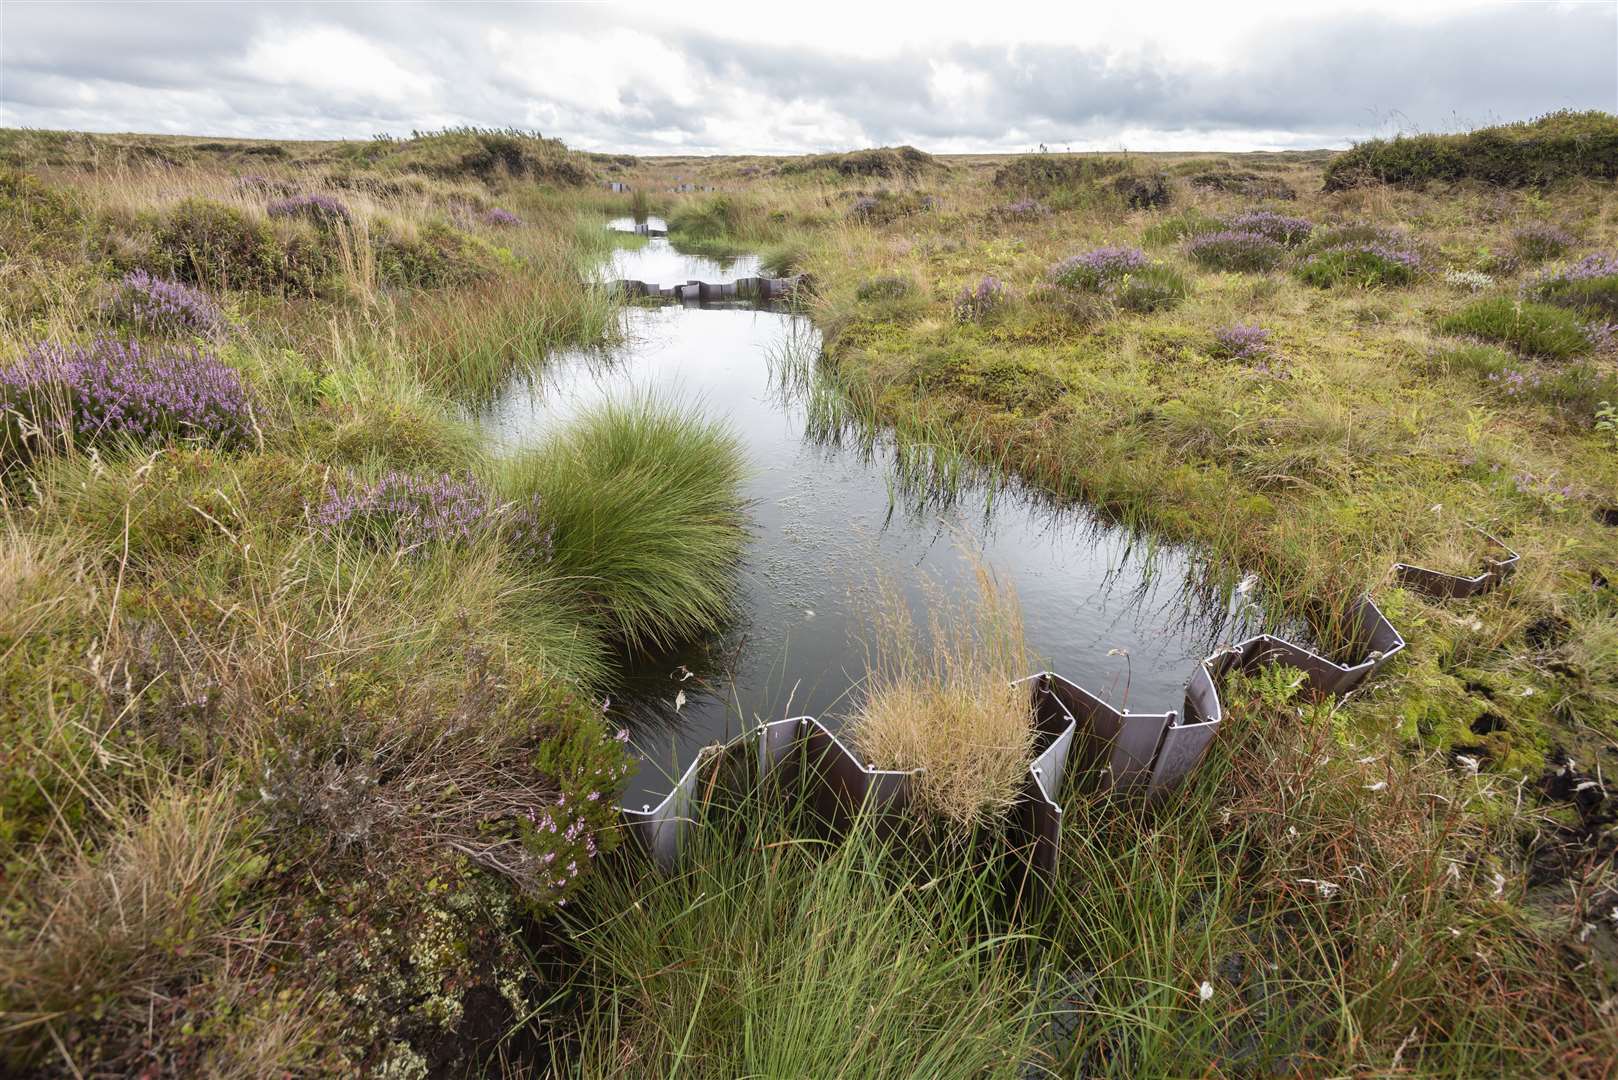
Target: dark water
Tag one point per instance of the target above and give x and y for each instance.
(827, 519)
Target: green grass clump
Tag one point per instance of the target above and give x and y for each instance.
(1362, 266)
(771, 955)
(644, 502)
(1153, 288)
(1559, 146)
(1529, 329)
(716, 225)
(1177, 227)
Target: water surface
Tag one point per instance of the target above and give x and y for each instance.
(1097, 606)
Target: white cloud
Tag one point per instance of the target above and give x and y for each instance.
(1172, 75)
(336, 61)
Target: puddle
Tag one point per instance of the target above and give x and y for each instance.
(827, 518)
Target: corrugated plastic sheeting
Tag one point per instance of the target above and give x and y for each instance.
(1080, 737)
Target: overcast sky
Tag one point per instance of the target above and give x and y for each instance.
(985, 76)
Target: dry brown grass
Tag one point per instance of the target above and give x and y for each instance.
(942, 701)
(114, 928)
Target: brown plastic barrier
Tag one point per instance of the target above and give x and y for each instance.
(700, 293)
(1082, 741)
(1437, 584)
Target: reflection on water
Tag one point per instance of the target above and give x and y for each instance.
(657, 262)
(824, 524)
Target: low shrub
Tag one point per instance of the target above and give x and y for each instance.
(885, 206)
(643, 501)
(434, 256)
(975, 303)
(1574, 387)
(1241, 342)
(1096, 269)
(885, 161)
(1248, 184)
(1243, 252)
(1150, 192)
(157, 306)
(1539, 241)
(404, 512)
(1363, 255)
(112, 390)
(320, 209)
(220, 247)
(1589, 287)
(1020, 210)
(1530, 329)
(1559, 146)
(1124, 275)
(1470, 280)
(500, 219)
(1281, 228)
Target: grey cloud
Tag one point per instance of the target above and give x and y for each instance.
(1309, 79)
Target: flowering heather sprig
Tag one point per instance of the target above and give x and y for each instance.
(113, 388)
(1233, 250)
(1589, 286)
(972, 304)
(1281, 228)
(501, 218)
(1589, 268)
(1602, 334)
(405, 511)
(1515, 383)
(1096, 268)
(1022, 208)
(1541, 240)
(864, 206)
(321, 209)
(1241, 342)
(166, 307)
(527, 533)
(1405, 257)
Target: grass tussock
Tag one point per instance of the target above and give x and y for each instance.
(1528, 328)
(941, 701)
(771, 956)
(643, 500)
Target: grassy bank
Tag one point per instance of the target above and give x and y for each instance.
(1308, 386)
(301, 705)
